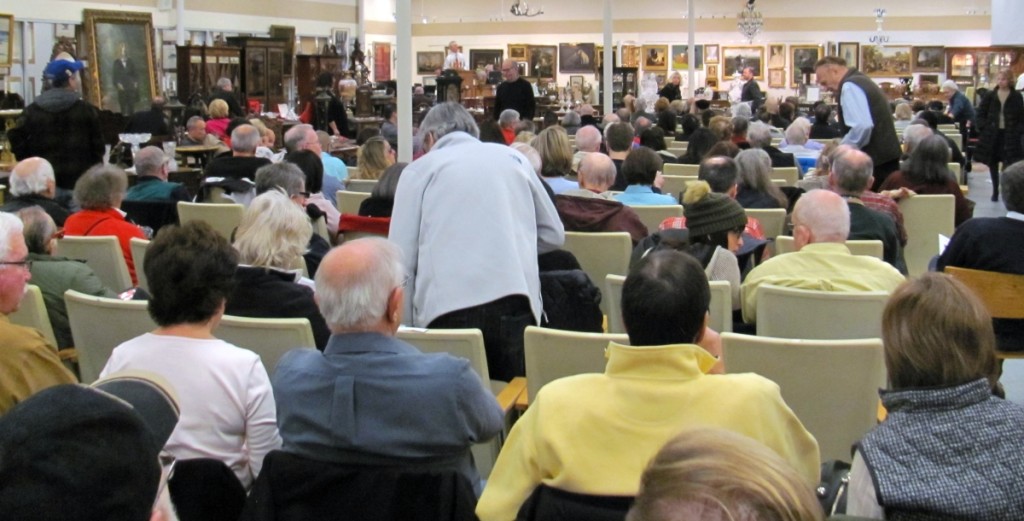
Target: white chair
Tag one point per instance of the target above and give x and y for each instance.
(224, 218)
(831, 385)
(360, 185)
(32, 313)
(600, 254)
(773, 220)
(348, 202)
(720, 306)
(678, 169)
(652, 215)
(789, 175)
(553, 353)
(872, 248)
(825, 315)
(270, 338)
(469, 344)
(675, 185)
(103, 254)
(100, 324)
(925, 217)
(138, 248)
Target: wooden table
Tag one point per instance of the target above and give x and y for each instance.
(366, 122)
(345, 151)
(201, 153)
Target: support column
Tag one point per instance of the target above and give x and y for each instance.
(403, 96)
(607, 60)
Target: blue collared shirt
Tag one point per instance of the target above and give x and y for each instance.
(643, 195)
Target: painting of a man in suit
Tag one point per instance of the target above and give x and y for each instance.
(126, 80)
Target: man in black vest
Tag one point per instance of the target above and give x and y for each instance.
(864, 114)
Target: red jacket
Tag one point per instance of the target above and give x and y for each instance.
(93, 223)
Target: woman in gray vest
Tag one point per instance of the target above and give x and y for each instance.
(950, 447)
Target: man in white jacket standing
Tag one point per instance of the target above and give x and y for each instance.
(471, 218)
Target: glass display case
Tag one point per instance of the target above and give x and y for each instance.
(263, 70)
(199, 68)
(625, 80)
(978, 66)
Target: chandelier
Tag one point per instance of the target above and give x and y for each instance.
(750, 22)
(879, 18)
(520, 8)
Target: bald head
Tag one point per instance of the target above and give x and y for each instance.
(359, 287)
(588, 139)
(510, 70)
(820, 216)
(851, 172)
(33, 176)
(596, 172)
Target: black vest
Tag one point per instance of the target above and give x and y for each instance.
(884, 144)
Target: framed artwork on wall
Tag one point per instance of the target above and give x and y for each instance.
(928, 59)
(886, 62)
(381, 61)
(517, 52)
(711, 53)
(776, 78)
(735, 59)
(777, 56)
(429, 62)
(543, 61)
(480, 58)
(802, 60)
(711, 72)
(576, 57)
(849, 51)
(6, 40)
(122, 74)
(681, 58)
(631, 55)
(655, 57)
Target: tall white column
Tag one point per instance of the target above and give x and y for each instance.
(691, 51)
(403, 30)
(1006, 19)
(607, 60)
(361, 24)
(179, 35)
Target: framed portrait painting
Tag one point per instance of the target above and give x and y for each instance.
(803, 58)
(121, 75)
(849, 51)
(711, 71)
(655, 57)
(381, 61)
(631, 55)
(711, 53)
(576, 57)
(735, 59)
(6, 40)
(543, 61)
(776, 56)
(776, 78)
(928, 59)
(884, 62)
(480, 58)
(429, 62)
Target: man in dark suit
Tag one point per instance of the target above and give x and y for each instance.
(751, 90)
(127, 82)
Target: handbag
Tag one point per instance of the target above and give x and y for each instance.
(831, 490)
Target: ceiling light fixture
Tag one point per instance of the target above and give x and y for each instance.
(520, 8)
(750, 22)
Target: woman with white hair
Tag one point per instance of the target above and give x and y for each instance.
(756, 189)
(270, 241)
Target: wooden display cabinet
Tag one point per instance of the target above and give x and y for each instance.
(308, 68)
(199, 68)
(263, 70)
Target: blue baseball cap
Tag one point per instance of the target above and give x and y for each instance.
(62, 67)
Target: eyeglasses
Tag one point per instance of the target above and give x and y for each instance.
(27, 264)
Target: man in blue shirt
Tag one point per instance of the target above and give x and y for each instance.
(370, 398)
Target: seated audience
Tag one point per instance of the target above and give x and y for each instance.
(642, 170)
(618, 139)
(28, 363)
(227, 406)
(389, 129)
(382, 198)
(242, 163)
(217, 125)
(927, 172)
(994, 244)
(805, 152)
(700, 143)
(99, 192)
(316, 202)
(270, 242)
(508, 120)
(32, 183)
(740, 125)
(723, 148)
(654, 139)
(375, 156)
(360, 289)
(151, 182)
(153, 121)
(851, 177)
(690, 124)
(667, 123)
(289, 179)
(949, 435)
(89, 453)
(821, 224)
(708, 473)
(556, 159)
(490, 132)
(571, 122)
(588, 140)
(587, 116)
(590, 209)
(759, 136)
(196, 134)
(756, 189)
(55, 275)
(817, 178)
(902, 115)
(823, 126)
(721, 127)
(716, 224)
(932, 120)
(593, 433)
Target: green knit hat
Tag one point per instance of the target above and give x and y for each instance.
(708, 212)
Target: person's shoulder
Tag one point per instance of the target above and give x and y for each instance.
(20, 338)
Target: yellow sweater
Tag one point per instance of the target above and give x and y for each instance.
(595, 433)
(28, 364)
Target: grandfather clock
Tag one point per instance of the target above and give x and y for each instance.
(449, 86)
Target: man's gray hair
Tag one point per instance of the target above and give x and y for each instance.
(245, 138)
(597, 170)
(508, 117)
(588, 139)
(39, 229)
(294, 138)
(640, 104)
(149, 160)
(449, 117)
(825, 213)
(913, 135)
(796, 134)
(100, 186)
(223, 83)
(852, 170)
(532, 155)
(358, 299)
(10, 226)
(193, 121)
(759, 135)
(741, 110)
(950, 85)
(571, 119)
(282, 176)
(33, 181)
